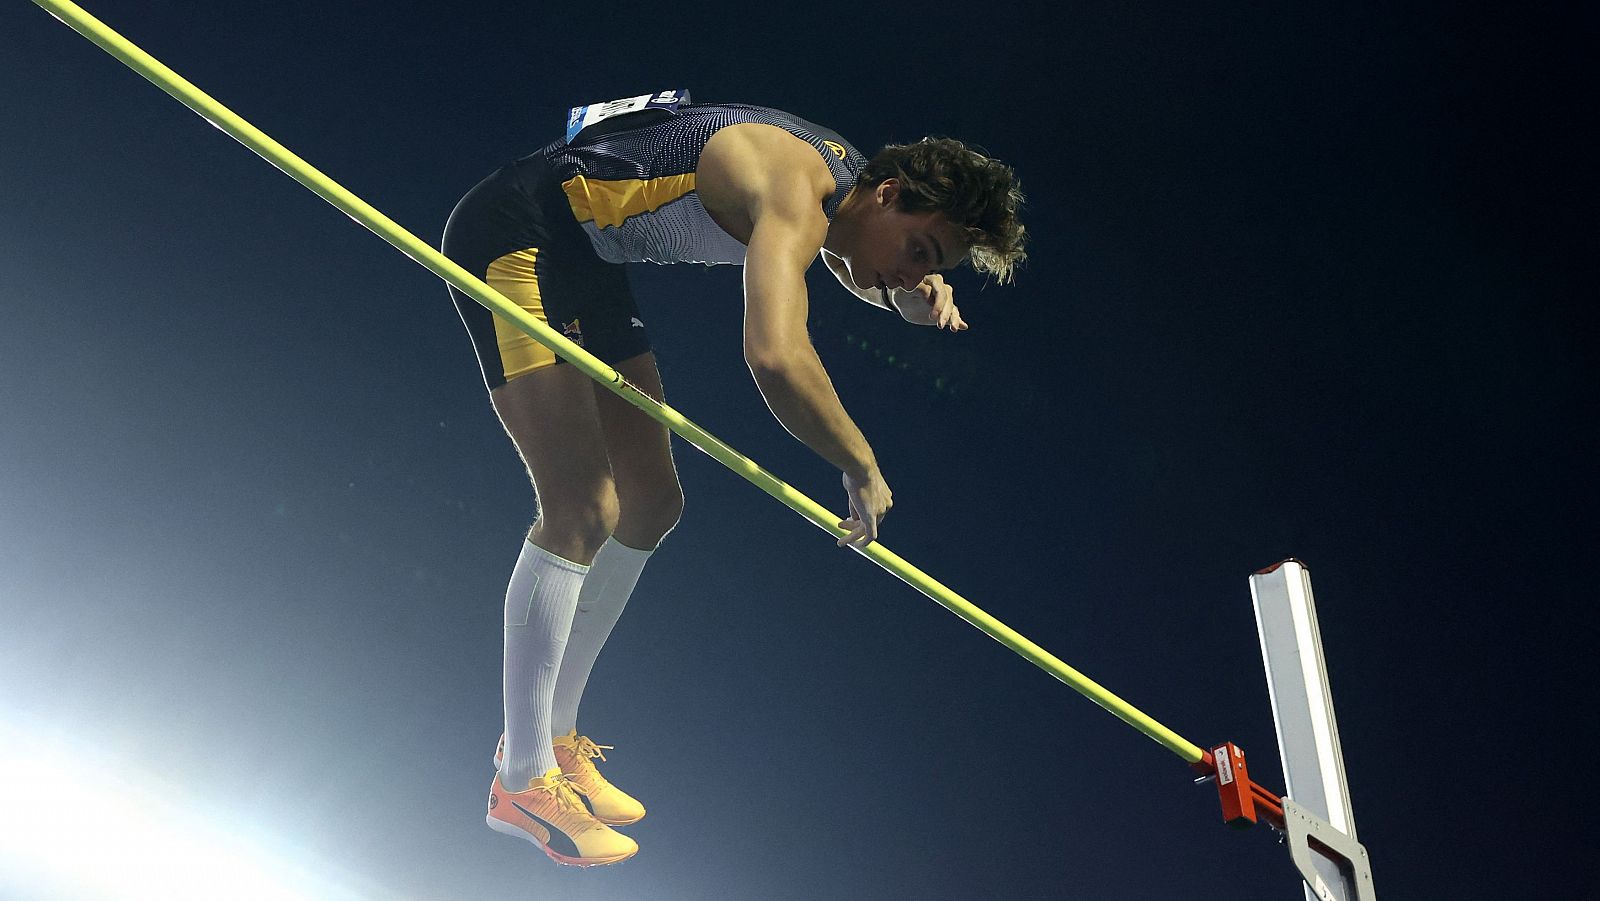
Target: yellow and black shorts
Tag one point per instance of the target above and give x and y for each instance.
(516, 231)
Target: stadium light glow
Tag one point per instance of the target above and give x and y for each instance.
(72, 827)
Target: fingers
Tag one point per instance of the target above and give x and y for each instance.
(866, 493)
(949, 318)
(941, 298)
(863, 529)
(862, 532)
(853, 525)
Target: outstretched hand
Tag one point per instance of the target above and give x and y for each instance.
(870, 500)
(931, 302)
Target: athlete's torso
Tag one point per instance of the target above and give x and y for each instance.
(634, 193)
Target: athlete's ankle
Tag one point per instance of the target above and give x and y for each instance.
(513, 781)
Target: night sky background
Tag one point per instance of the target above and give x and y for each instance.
(1305, 280)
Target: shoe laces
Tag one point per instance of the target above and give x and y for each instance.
(564, 791)
(584, 747)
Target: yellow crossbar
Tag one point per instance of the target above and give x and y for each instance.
(409, 244)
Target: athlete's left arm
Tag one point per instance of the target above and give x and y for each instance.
(932, 302)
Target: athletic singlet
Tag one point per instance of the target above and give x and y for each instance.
(633, 190)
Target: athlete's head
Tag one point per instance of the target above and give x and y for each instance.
(918, 208)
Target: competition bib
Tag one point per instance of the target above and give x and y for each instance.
(582, 120)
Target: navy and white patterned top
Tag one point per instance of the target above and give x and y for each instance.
(632, 187)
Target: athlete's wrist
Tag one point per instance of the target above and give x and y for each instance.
(863, 471)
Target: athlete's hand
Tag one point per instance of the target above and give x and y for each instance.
(931, 302)
(870, 500)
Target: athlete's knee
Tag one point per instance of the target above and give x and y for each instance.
(581, 525)
(647, 517)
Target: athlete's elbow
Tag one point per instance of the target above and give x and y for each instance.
(774, 363)
(765, 366)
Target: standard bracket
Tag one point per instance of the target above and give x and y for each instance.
(1244, 802)
(1311, 838)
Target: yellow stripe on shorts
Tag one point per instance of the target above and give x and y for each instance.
(513, 275)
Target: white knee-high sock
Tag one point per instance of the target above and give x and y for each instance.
(611, 580)
(539, 604)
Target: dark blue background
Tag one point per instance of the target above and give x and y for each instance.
(1304, 281)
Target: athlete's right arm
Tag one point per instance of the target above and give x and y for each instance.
(788, 229)
(766, 187)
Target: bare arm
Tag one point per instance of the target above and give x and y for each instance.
(778, 350)
(788, 230)
(766, 187)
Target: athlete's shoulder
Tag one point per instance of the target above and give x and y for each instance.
(753, 168)
(759, 155)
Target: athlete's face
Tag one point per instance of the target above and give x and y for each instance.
(889, 248)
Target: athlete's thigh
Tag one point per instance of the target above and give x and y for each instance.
(551, 416)
(639, 448)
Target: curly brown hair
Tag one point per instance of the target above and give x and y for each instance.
(977, 194)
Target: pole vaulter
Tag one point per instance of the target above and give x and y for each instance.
(1244, 802)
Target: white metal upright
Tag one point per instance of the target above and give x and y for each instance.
(1317, 795)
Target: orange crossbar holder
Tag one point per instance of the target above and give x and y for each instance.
(1244, 803)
